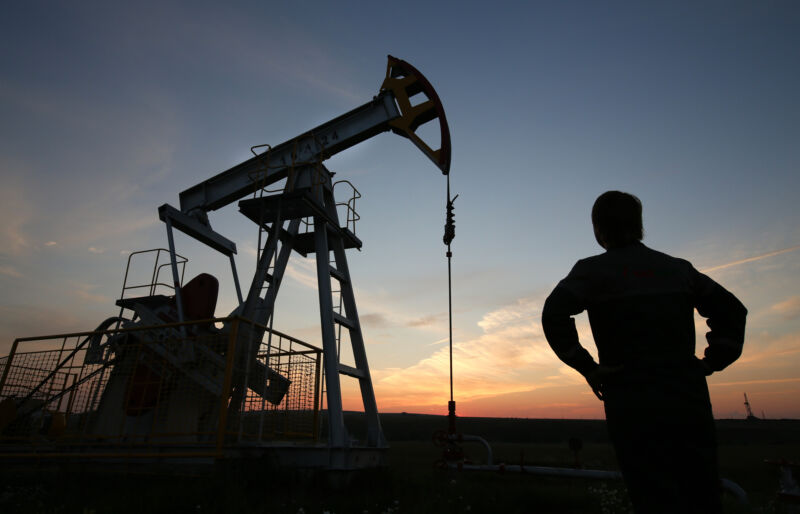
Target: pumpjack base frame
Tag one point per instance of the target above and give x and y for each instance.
(317, 457)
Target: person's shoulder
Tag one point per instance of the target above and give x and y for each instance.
(591, 261)
(668, 259)
(660, 254)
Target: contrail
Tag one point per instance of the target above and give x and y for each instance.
(751, 382)
(750, 259)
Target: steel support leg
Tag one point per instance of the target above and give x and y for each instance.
(337, 433)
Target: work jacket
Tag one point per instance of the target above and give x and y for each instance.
(641, 309)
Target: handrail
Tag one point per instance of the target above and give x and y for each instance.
(290, 362)
(168, 325)
(154, 283)
(350, 205)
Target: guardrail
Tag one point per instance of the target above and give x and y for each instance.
(174, 390)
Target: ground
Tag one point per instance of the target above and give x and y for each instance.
(411, 483)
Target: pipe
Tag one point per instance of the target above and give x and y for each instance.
(729, 486)
(459, 438)
(540, 470)
(735, 490)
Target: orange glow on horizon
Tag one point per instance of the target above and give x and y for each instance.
(774, 399)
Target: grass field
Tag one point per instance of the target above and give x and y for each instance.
(411, 483)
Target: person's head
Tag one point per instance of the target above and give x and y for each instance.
(617, 219)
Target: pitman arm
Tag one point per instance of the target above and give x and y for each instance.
(390, 110)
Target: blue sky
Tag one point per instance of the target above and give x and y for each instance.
(108, 110)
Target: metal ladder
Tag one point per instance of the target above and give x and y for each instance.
(309, 197)
(329, 237)
(351, 217)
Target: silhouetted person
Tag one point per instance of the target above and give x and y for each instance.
(641, 309)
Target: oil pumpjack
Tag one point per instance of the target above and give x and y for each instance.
(166, 380)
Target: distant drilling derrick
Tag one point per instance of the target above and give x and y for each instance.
(750, 415)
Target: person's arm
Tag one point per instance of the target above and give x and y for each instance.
(726, 319)
(559, 329)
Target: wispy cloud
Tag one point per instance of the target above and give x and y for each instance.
(30, 320)
(9, 271)
(78, 216)
(788, 309)
(510, 356)
(373, 320)
(295, 56)
(16, 212)
(750, 259)
(428, 320)
(524, 309)
(763, 350)
(304, 272)
(247, 248)
(85, 292)
(440, 341)
(276, 51)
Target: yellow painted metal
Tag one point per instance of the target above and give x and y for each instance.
(226, 387)
(405, 82)
(9, 359)
(412, 115)
(8, 409)
(317, 382)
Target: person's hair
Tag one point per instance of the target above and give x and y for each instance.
(617, 216)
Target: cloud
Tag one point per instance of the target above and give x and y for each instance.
(278, 51)
(247, 248)
(304, 272)
(9, 271)
(86, 293)
(373, 320)
(398, 314)
(28, 224)
(511, 356)
(85, 200)
(763, 351)
(30, 320)
(440, 341)
(299, 59)
(524, 309)
(16, 212)
(115, 225)
(425, 321)
(511, 361)
(788, 309)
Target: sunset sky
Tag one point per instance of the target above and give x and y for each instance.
(110, 109)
